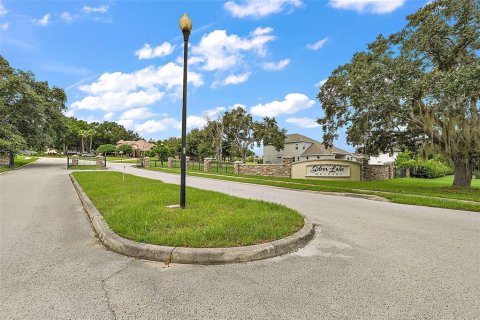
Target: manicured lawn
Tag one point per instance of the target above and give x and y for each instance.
(19, 161)
(426, 192)
(136, 209)
(87, 167)
(121, 159)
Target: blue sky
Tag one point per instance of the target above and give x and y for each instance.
(121, 60)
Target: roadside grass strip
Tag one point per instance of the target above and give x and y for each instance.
(135, 208)
(20, 161)
(414, 191)
(87, 167)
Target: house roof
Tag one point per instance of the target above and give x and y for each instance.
(317, 148)
(141, 145)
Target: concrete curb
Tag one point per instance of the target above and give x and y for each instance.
(190, 255)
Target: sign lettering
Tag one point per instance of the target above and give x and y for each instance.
(328, 170)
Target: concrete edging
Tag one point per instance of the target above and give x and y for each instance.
(168, 254)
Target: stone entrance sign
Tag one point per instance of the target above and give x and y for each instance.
(328, 170)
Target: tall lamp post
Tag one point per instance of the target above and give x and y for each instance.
(186, 27)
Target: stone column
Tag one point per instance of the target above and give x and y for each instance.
(363, 168)
(287, 165)
(170, 162)
(187, 162)
(75, 160)
(146, 162)
(100, 161)
(206, 164)
(236, 167)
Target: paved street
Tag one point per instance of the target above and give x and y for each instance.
(369, 260)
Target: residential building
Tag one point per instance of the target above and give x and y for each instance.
(139, 147)
(304, 148)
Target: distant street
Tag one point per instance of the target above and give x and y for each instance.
(369, 260)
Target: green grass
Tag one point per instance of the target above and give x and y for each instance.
(226, 167)
(87, 167)
(136, 209)
(19, 162)
(426, 192)
(121, 159)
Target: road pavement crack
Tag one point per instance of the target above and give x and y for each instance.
(105, 291)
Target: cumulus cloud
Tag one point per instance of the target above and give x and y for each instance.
(306, 123)
(137, 113)
(276, 66)
(373, 6)
(4, 26)
(221, 51)
(153, 126)
(317, 45)
(292, 103)
(320, 83)
(233, 79)
(44, 21)
(260, 8)
(200, 121)
(108, 116)
(67, 17)
(147, 52)
(3, 10)
(121, 91)
(100, 9)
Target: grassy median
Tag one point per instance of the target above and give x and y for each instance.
(424, 192)
(135, 208)
(19, 162)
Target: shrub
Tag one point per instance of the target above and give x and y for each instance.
(431, 169)
(106, 148)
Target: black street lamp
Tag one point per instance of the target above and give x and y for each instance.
(186, 27)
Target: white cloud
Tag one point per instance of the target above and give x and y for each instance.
(276, 66)
(213, 113)
(108, 116)
(374, 6)
(292, 103)
(232, 79)
(128, 124)
(153, 126)
(121, 91)
(196, 122)
(4, 26)
(137, 114)
(67, 17)
(110, 100)
(238, 105)
(100, 9)
(220, 51)
(318, 44)
(260, 8)
(306, 123)
(44, 21)
(320, 83)
(147, 52)
(3, 10)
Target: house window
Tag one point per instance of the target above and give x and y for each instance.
(307, 158)
(303, 147)
(318, 157)
(296, 146)
(298, 158)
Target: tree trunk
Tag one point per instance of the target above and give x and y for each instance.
(11, 162)
(91, 138)
(463, 173)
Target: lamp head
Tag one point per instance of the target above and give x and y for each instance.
(185, 23)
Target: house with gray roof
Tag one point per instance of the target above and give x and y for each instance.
(304, 148)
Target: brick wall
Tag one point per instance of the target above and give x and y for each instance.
(269, 170)
(375, 172)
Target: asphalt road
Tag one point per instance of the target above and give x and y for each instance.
(369, 260)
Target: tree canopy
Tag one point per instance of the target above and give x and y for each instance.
(30, 111)
(418, 89)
